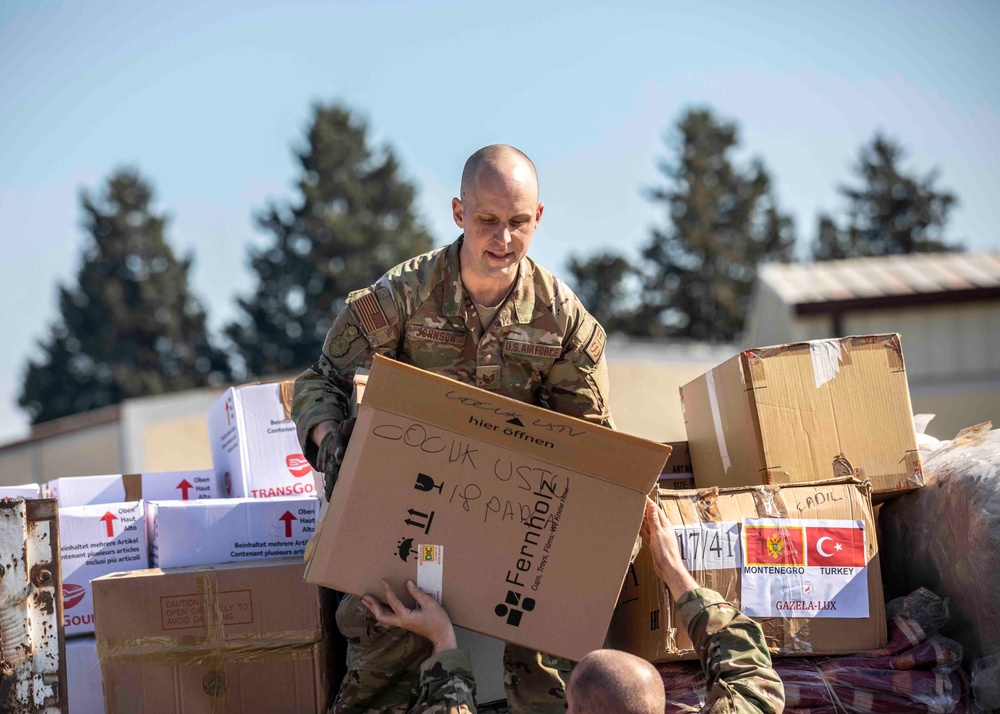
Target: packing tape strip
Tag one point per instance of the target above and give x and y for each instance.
(713, 401)
(769, 502)
(154, 650)
(826, 359)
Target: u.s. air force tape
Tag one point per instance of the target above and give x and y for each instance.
(595, 347)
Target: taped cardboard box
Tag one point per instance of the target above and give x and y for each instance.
(524, 520)
(801, 560)
(804, 412)
(235, 638)
(255, 450)
(117, 488)
(228, 530)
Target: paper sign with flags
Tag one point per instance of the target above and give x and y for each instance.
(804, 568)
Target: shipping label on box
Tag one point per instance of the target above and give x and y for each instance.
(229, 530)
(117, 488)
(677, 472)
(255, 450)
(805, 412)
(97, 540)
(247, 637)
(537, 512)
(800, 559)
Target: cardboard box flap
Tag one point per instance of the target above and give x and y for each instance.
(505, 422)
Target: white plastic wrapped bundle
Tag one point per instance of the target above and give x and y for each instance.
(946, 537)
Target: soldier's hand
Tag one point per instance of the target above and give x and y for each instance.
(427, 619)
(331, 453)
(658, 535)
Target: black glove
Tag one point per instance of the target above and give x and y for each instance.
(331, 453)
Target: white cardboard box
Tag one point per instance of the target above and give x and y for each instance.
(229, 530)
(254, 446)
(27, 490)
(96, 540)
(83, 676)
(118, 488)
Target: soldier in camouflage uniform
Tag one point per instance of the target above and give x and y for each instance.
(731, 647)
(481, 312)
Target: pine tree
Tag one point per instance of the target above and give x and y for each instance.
(602, 282)
(722, 222)
(353, 220)
(130, 326)
(889, 213)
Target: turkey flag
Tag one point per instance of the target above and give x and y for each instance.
(836, 547)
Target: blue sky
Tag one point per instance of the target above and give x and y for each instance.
(207, 100)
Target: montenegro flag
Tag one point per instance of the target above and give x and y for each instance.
(774, 545)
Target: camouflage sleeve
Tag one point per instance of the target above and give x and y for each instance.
(446, 685)
(733, 654)
(577, 384)
(368, 324)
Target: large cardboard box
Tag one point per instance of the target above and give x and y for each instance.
(83, 676)
(116, 488)
(801, 560)
(255, 450)
(537, 513)
(93, 541)
(805, 412)
(235, 638)
(183, 533)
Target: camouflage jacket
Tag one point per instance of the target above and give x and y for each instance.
(733, 654)
(542, 347)
(740, 679)
(446, 685)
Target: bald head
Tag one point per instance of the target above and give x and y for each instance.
(614, 681)
(498, 162)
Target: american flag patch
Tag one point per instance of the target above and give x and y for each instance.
(370, 313)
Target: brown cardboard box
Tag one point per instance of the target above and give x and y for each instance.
(537, 513)
(805, 412)
(234, 638)
(677, 472)
(804, 613)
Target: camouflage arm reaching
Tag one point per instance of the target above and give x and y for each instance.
(733, 653)
(446, 685)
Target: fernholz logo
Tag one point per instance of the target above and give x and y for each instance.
(509, 608)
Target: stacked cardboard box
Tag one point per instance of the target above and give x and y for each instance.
(803, 412)
(788, 445)
(241, 637)
(255, 449)
(800, 559)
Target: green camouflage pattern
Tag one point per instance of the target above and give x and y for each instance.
(542, 348)
(535, 683)
(447, 685)
(734, 655)
(383, 663)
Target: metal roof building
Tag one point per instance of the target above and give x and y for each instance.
(946, 307)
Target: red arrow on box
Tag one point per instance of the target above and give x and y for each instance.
(184, 486)
(288, 518)
(107, 518)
